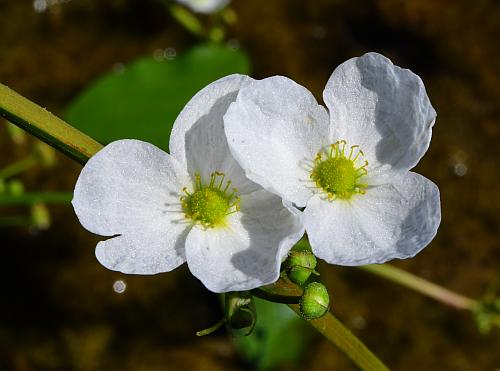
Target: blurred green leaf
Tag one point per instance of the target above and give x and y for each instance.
(280, 337)
(142, 100)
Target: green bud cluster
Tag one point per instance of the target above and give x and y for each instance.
(299, 267)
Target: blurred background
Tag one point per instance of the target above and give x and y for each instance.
(125, 68)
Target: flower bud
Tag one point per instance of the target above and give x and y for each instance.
(40, 216)
(299, 266)
(315, 301)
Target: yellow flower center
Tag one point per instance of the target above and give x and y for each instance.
(337, 173)
(210, 204)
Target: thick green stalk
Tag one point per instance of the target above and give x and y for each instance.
(45, 126)
(329, 326)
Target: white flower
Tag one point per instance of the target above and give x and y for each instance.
(193, 205)
(348, 166)
(205, 6)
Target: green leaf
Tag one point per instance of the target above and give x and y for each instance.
(265, 348)
(143, 100)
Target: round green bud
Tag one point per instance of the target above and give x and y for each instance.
(315, 301)
(299, 266)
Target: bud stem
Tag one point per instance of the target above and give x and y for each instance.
(331, 328)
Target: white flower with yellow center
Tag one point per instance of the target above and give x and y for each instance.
(193, 205)
(204, 6)
(348, 166)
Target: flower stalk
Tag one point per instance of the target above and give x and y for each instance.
(422, 286)
(46, 126)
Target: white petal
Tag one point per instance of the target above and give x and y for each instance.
(207, 152)
(249, 251)
(131, 188)
(205, 6)
(382, 108)
(390, 221)
(274, 130)
(156, 248)
(126, 184)
(208, 105)
(198, 134)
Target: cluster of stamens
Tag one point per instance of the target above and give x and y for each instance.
(337, 173)
(209, 205)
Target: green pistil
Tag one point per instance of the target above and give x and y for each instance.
(210, 204)
(337, 174)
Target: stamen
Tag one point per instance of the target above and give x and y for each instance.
(210, 205)
(343, 146)
(338, 175)
(198, 181)
(352, 150)
(360, 152)
(222, 175)
(227, 186)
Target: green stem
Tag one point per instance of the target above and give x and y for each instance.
(17, 167)
(36, 197)
(187, 19)
(332, 329)
(45, 126)
(421, 285)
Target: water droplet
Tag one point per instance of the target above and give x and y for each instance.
(158, 55)
(458, 163)
(40, 6)
(460, 169)
(358, 322)
(169, 54)
(119, 286)
(233, 44)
